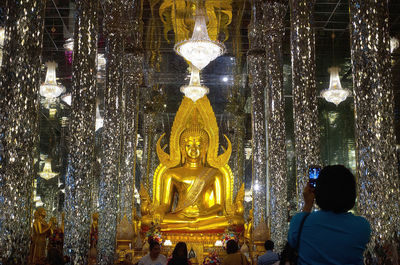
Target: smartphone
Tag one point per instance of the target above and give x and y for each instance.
(313, 174)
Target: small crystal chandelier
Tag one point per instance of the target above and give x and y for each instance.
(335, 93)
(101, 61)
(47, 172)
(50, 89)
(200, 50)
(69, 44)
(194, 90)
(2, 36)
(394, 44)
(99, 119)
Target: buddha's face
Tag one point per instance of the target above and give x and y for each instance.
(42, 213)
(193, 146)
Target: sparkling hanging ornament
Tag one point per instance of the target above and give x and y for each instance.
(50, 88)
(47, 172)
(200, 50)
(377, 164)
(257, 74)
(2, 35)
(305, 104)
(194, 90)
(277, 168)
(335, 93)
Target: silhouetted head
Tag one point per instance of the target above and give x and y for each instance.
(154, 248)
(335, 189)
(269, 245)
(231, 247)
(180, 250)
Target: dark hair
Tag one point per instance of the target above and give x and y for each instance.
(231, 247)
(269, 245)
(153, 243)
(55, 257)
(335, 189)
(176, 259)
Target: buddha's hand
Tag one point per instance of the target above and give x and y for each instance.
(159, 214)
(158, 218)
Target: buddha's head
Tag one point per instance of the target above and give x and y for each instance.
(95, 218)
(194, 144)
(41, 212)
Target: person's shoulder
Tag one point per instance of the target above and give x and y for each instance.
(299, 216)
(261, 258)
(363, 225)
(162, 257)
(361, 221)
(144, 258)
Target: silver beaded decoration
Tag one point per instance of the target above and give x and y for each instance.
(82, 128)
(256, 71)
(19, 90)
(306, 130)
(111, 149)
(149, 124)
(378, 181)
(133, 76)
(275, 14)
(235, 106)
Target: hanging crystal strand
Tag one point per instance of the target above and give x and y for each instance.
(275, 12)
(108, 201)
(154, 103)
(148, 127)
(306, 130)
(133, 76)
(235, 106)
(378, 182)
(154, 162)
(256, 71)
(82, 128)
(19, 86)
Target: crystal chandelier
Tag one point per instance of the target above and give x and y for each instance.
(47, 172)
(69, 44)
(335, 93)
(99, 119)
(2, 36)
(50, 89)
(101, 61)
(394, 44)
(200, 50)
(194, 90)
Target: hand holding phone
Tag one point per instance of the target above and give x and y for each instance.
(313, 174)
(309, 196)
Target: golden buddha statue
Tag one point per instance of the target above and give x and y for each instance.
(193, 185)
(41, 230)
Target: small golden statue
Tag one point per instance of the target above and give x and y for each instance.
(40, 232)
(248, 229)
(193, 185)
(94, 235)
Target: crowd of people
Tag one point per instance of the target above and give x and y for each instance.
(331, 235)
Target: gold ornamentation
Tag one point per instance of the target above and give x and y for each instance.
(193, 185)
(177, 15)
(40, 231)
